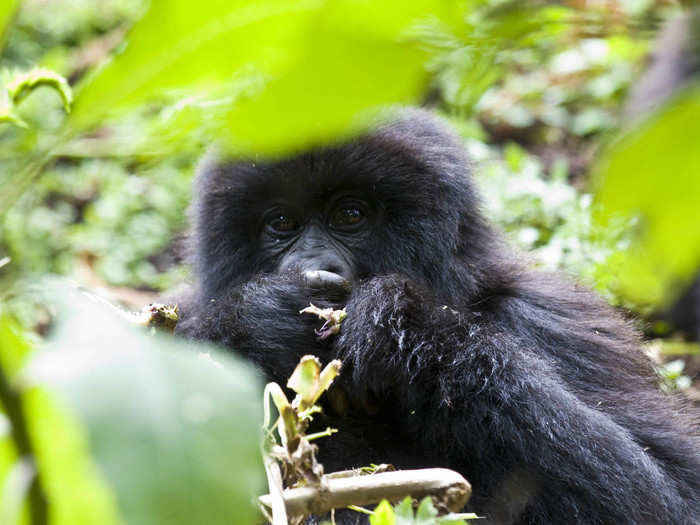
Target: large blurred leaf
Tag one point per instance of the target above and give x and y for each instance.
(175, 432)
(180, 44)
(7, 9)
(75, 494)
(356, 55)
(655, 172)
(290, 72)
(14, 345)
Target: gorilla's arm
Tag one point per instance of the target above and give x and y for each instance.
(260, 320)
(493, 399)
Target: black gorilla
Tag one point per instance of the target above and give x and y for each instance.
(455, 353)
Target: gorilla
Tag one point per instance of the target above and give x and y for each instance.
(456, 353)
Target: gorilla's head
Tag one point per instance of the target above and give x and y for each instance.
(398, 200)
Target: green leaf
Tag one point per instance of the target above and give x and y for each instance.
(14, 345)
(654, 172)
(7, 10)
(426, 513)
(383, 514)
(179, 45)
(22, 84)
(304, 380)
(76, 494)
(403, 512)
(176, 432)
(17, 86)
(357, 57)
(284, 73)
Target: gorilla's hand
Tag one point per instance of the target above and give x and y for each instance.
(261, 319)
(382, 341)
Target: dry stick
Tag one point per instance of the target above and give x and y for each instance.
(338, 492)
(276, 497)
(10, 399)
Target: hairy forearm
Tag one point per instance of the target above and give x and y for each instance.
(259, 320)
(422, 354)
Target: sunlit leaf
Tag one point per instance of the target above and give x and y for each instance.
(655, 172)
(174, 431)
(176, 46)
(305, 378)
(77, 493)
(283, 73)
(14, 345)
(359, 56)
(7, 10)
(383, 514)
(403, 512)
(72, 485)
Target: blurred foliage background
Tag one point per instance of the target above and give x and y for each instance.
(535, 89)
(99, 193)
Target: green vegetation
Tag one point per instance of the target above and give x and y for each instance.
(404, 514)
(669, 244)
(105, 108)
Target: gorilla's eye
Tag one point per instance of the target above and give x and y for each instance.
(283, 223)
(347, 218)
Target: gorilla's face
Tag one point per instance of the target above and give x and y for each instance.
(319, 237)
(396, 201)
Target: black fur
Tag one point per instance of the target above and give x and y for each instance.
(455, 353)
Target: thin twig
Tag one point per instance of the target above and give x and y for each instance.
(11, 400)
(361, 510)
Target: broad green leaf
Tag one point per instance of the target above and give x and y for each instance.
(75, 492)
(654, 171)
(383, 514)
(180, 45)
(359, 56)
(176, 432)
(281, 74)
